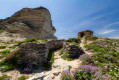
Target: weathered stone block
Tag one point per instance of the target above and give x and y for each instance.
(73, 51)
(55, 44)
(33, 53)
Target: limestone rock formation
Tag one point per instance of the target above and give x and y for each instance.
(84, 33)
(33, 53)
(72, 51)
(28, 23)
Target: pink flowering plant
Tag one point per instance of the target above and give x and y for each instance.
(83, 72)
(67, 75)
(28, 68)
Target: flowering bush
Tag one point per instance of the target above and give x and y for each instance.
(28, 68)
(83, 72)
(66, 75)
(86, 59)
(86, 72)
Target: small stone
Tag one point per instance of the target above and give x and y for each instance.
(52, 76)
(67, 67)
(56, 73)
(56, 65)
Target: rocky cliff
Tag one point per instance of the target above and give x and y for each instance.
(28, 23)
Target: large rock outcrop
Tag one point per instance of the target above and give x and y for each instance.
(72, 50)
(84, 33)
(55, 44)
(28, 23)
(33, 53)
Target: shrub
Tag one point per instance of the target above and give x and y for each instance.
(4, 52)
(91, 37)
(66, 75)
(73, 40)
(86, 59)
(8, 67)
(65, 57)
(83, 72)
(4, 77)
(22, 78)
(2, 47)
(1, 31)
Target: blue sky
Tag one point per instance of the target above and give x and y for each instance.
(72, 16)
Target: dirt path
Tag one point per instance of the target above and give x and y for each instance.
(82, 46)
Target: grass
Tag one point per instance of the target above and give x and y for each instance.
(47, 66)
(5, 52)
(106, 56)
(22, 78)
(61, 51)
(8, 65)
(91, 36)
(4, 77)
(65, 57)
(74, 43)
(44, 40)
(1, 31)
(3, 47)
(30, 40)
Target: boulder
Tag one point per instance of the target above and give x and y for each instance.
(56, 73)
(33, 53)
(54, 44)
(84, 33)
(73, 51)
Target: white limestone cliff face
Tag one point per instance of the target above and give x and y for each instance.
(28, 23)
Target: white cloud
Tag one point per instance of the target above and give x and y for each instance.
(115, 37)
(112, 24)
(107, 31)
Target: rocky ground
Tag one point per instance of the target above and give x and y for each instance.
(54, 74)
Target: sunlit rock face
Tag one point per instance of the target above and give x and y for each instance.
(28, 23)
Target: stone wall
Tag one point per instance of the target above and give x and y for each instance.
(55, 44)
(33, 53)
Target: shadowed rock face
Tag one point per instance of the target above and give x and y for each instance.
(33, 53)
(28, 23)
(84, 33)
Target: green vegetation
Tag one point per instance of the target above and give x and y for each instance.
(65, 57)
(74, 43)
(91, 37)
(1, 31)
(44, 40)
(61, 51)
(4, 77)
(3, 47)
(47, 66)
(74, 40)
(4, 52)
(30, 40)
(8, 64)
(22, 78)
(106, 56)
